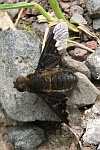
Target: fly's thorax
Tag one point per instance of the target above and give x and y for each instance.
(38, 83)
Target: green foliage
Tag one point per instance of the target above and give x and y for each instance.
(54, 4)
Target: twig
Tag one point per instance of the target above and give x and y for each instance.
(80, 45)
(83, 28)
(17, 20)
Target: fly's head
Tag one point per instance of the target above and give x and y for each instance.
(21, 84)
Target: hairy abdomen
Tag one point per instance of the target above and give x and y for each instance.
(58, 81)
(64, 80)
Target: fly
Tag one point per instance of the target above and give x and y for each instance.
(48, 82)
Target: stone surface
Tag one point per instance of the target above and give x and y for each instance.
(85, 124)
(96, 24)
(91, 44)
(80, 53)
(92, 124)
(92, 135)
(1, 1)
(26, 137)
(93, 7)
(65, 5)
(76, 9)
(88, 19)
(39, 30)
(5, 122)
(93, 63)
(20, 53)
(82, 2)
(60, 139)
(98, 34)
(85, 93)
(77, 19)
(76, 66)
(98, 148)
(4, 146)
(74, 117)
(12, 13)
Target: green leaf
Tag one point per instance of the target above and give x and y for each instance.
(55, 6)
(27, 5)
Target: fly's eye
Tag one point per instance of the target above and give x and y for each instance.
(20, 84)
(20, 80)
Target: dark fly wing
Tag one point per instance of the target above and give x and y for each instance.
(50, 56)
(57, 101)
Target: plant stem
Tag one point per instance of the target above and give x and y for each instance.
(55, 6)
(27, 5)
(44, 13)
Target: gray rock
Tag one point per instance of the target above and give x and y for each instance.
(98, 148)
(96, 24)
(85, 93)
(1, 1)
(93, 63)
(92, 124)
(19, 52)
(76, 66)
(98, 33)
(76, 9)
(12, 13)
(93, 7)
(74, 116)
(39, 30)
(61, 139)
(88, 129)
(88, 19)
(77, 19)
(26, 137)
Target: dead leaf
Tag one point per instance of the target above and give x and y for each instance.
(42, 19)
(70, 43)
(5, 21)
(83, 28)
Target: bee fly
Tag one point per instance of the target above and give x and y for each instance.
(47, 82)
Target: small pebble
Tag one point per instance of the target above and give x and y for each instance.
(91, 44)
(77, 19)
(76, 9)
(80, 53)
(64, 5)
